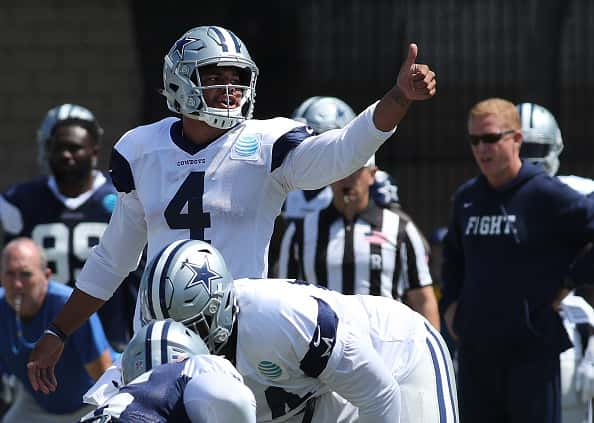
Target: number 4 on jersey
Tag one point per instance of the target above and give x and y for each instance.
(190, 193)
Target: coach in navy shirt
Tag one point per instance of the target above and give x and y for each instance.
(513, 236)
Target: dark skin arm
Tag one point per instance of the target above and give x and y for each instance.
(47, 351)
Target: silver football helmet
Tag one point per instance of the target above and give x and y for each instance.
(324, 113)
(384, 190)
(160, 342)
(188, 281)
(59, 114)
(203, 46)
(542, 142)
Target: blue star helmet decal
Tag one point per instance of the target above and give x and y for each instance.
(201, 274)
(181, 44)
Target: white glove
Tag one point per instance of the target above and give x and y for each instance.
(584, 375)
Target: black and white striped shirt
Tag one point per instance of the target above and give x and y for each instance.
(379, 253)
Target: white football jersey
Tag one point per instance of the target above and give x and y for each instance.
(316, 341)
(228, 192)
(208, 386)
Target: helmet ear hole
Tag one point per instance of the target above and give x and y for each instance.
(173, 87)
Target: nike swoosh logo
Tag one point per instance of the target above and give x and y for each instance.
(317, 341)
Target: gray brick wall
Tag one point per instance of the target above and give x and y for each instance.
(54, 52)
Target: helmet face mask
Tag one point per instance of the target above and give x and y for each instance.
(324, 113)
(201, 47)
(188, 281)
(542, 142)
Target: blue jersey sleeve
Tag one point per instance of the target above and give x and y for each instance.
(286, 143)
(121, 172)
(322, 342)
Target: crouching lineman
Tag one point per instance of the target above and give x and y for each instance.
(308, 354)
(169, 376)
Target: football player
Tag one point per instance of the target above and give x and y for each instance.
(168, 376)
(215, 174)
(308, 354)
(66, 211)
(542, 143)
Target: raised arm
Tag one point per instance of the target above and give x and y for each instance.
(415, 82)
(336, 154)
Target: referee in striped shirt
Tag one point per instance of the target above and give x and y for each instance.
(357, 247)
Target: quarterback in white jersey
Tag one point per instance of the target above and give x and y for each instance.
(308, 354)
(216, 174)
(169, 376)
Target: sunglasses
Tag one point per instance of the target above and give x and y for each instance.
(489, 138)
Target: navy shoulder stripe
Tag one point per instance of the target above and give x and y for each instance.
(286, 143)
(322, 343)
(121, 173)
(148, 353)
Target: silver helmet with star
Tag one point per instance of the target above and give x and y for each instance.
(188, 281)
(182, 84)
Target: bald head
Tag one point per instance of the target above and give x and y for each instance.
(24, 274)
(25, 246)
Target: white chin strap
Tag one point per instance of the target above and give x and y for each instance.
(218, 118)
